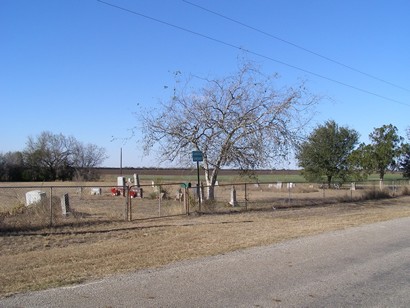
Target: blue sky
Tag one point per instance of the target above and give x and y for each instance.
(82, 68)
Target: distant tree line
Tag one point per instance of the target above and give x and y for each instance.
(332, 152)
(51, 157)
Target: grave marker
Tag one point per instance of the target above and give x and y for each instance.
(95, 191)
(65, 204)
(35, 196)
(233, 201)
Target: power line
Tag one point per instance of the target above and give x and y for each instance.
(253, 53)
(296, 45)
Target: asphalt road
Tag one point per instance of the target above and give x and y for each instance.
(368, 266)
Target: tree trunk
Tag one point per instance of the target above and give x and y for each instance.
(210, 182)
(329, 181)
(210, 193)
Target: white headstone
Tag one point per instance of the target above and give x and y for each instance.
(233, 201)
(35, 196)
(279, 185)
(136, 180)
(96, 191)
(121, 181)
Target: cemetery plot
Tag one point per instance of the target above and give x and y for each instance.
(42, 206)
(276, 195)
(28, 207)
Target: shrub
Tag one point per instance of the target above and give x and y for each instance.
(405, 191)
(375, 194)
(159, 190)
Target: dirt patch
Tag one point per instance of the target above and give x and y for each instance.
(61, 256)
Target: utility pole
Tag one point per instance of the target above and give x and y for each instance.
(121, 161)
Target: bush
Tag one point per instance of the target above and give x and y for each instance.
(405, 191)
(375, 194)
(159, 191)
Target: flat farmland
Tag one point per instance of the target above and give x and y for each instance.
(190, 175)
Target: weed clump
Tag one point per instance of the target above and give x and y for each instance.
(376, 194)
(405, 191)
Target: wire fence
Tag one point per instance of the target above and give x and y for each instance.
(279, 195)
(34, 207)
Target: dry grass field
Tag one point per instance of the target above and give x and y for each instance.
(44, 258)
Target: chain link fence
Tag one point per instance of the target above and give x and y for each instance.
(279, 195)
(32, 207)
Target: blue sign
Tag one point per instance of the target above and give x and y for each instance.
(197, 156)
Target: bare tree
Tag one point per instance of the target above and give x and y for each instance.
(239, 121)
(11, 166)
(54, 156)
(85, 158)
(48, 155)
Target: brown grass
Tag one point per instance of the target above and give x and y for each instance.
(50, 258)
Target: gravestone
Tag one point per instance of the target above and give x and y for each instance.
(136, 180)
(233, 201)
(65, 205)
(279, 185)
(121, 184)
(35, 196)
(95, 191)
(353, 186)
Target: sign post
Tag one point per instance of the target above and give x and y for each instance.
(198, 156)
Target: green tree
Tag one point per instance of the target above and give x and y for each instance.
(384, 152)
(240, 121)
(360, 162)
(326, 152)
(405, 163)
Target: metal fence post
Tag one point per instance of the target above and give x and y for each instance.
(289, 186)
(159, 200)
(51, 206)
(125, 194)
(185, 196)
(246, 198)
(394, 188)
(129, 205)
